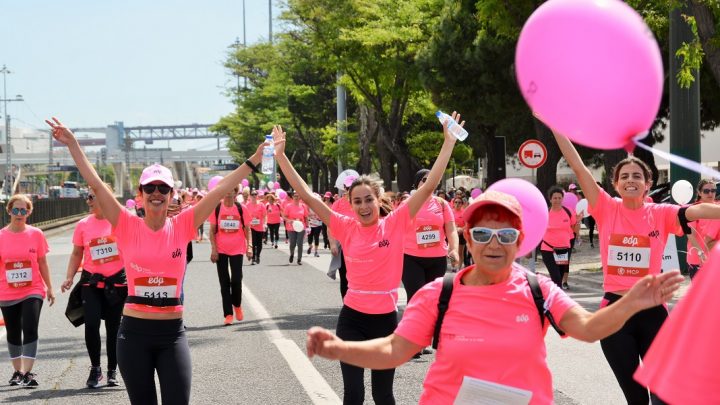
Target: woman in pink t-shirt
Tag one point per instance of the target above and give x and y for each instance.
(24, 283)
(295, 215)
(258, 216)
(556, 246)
(274, 217)
(152, 336)
(706, 232)
(492, 330)
(373, 250)
(458, 208)
(632, 235)
(102, 287)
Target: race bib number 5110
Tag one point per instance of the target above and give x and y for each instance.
(629, 255)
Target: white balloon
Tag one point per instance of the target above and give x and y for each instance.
(582, 207)
(298, 226)
(178, 183)
(682, 192)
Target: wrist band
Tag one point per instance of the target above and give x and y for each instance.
(252, 166)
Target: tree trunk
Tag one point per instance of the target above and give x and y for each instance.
(706, 31)
(368, 132)
(547, 173)
(611, 158)
(387, 161)
(315, 176)
(493, 162)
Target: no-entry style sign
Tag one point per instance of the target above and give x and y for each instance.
(532, 154)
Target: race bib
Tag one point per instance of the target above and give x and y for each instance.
(314, 223)
(562, 257)
(229, 223)
(156, 287)
(104, 250)
(427, 236)
(18, 273)
(629, 255)
(255, 222)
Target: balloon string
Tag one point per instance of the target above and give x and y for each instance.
(681, 161)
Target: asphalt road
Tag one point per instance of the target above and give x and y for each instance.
(261, 360)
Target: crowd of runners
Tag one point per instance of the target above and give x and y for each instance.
(453, 254)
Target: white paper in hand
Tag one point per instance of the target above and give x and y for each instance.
(480, 392)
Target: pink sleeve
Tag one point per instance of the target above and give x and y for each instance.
(122, 225)
(670, 215)
(713, 230)
(42, 245)
(185, 223)
(418, 320)
(448, 215)
(212, 219)
(601, 205)
(339, 225)
(77, 238)
(555, 298)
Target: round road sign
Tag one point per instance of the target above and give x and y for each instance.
(532, 154)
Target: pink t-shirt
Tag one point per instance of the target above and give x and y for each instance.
(342, 206)
(559, 230)
(489, 332)
(19, 253)
(374, 259)
(100, 249)
(425, 236)
(155, 260)
(704, 227)
(295, 212)
(632, 242)
(230, 237)
(459, 220)
(313, 219)
(257, 216)
(682, 365)
(273, 213)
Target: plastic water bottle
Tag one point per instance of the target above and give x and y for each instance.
(454, 128)
(268, 156)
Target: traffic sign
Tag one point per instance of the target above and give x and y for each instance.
(532, 154)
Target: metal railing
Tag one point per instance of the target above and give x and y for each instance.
(48, 210)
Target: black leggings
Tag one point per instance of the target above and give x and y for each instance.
(230, 282)
(274, 230)
(418, 271)
(257, 237)
(146, 345)
(555, 270)
(326, 241)
(590, 223)
(342, 271)
(314, 235)
(624, 348)
(96, 307)
(357, 326)
(21, 325)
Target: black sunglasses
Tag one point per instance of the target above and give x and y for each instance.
(90, 197)
(150, 188)
(709, 190)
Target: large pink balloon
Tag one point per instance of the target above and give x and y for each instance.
(276, 186)
(282, 194)
(245, 182)
(535, 212)
(590, 69)
(130, 204)
(475, 193)
(213, 182)
(570, 201)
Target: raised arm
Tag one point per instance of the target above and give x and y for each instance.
(306, 194)
(416, 201)
(205, 207)
(110, 206)
(703, 211)
(587, 182)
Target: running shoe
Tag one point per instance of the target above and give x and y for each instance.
(291, 258)
(317, 254)
(427, 350)
(112, 380)
(309, 250)
(228, 320)
(257, 260)
(299, 261)
(276, 246)
(565, 286)
(95, 377)
(16, 378)
(29, 380)
(331, 274)
(238, 313)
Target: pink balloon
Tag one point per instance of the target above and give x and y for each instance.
(535, 212)
(569, 201)
(245, 182)
(475, 193)
(213, 182)
(261, 193)
(591, 70)
(130, 203)
(282, 194)
(276, 185)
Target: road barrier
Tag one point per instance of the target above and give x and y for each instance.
(47, 211)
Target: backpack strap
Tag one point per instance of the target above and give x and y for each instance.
(540, 302)
(240, 210)
(217, 216)
(443, 303)
(567, 211)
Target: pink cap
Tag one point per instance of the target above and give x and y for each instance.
(349, 181)
(492, 197)
(328, 194)
(156, 172)
(572, 186)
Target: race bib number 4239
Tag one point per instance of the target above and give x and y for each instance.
(427, 236)
(18, 273)
(628, 255)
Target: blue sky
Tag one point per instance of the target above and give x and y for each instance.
(144, 62)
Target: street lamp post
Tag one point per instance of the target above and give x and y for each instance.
(8, 160)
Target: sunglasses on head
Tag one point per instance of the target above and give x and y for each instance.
(505, 236)
(19, 211)
(90, 197)
(150, 188)
(709, 190)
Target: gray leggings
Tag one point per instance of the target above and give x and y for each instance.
(296, 238)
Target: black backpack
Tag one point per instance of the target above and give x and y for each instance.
(446, 292)
(217, 214)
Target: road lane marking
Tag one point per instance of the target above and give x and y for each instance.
(312, 381)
